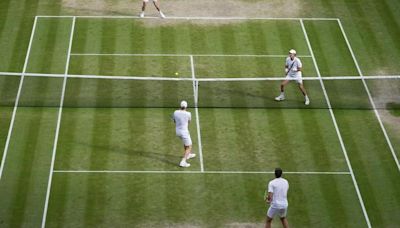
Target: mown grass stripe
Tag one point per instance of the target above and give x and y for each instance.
(370, 98)
(17, 100)
(337, 129)
(58, 124)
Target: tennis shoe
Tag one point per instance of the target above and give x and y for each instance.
(141, 15)
(184, 164)
(280, 98)
(307, 102)
(162, 15)
(191, 156)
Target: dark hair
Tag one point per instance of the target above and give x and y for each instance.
(278, 172)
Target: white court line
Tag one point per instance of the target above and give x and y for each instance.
(199, 172)
(277, 78)
(192, 18)
(195, 90)
(337, 128)
(58, 125)
(184, 55)
(369, 96)
(10, 130)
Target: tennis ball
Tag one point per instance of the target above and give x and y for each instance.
(176, 73)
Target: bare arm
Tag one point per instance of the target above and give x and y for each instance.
(268, 197)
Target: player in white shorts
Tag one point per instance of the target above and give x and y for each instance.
(293, 73)
(182, 119)
(276, 196)
(155, 4)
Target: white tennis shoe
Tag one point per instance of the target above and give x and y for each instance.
(162, 15)
(184, 164)
(307, 102)
(191, 156)
(141, 15)
(280, 97)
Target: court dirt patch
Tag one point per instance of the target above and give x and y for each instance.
(185, 8)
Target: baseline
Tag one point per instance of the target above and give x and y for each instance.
(336, 128)
(191, 18)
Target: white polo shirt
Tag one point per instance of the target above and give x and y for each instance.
(182, 118)
(279, 188)
(293, 69)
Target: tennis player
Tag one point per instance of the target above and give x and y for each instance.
(293, 73)
(277, 198)
(155, 4)
(182, 119)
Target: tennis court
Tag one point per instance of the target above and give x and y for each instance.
(89, 140)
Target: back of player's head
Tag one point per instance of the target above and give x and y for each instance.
(184, 104)
(278, 172)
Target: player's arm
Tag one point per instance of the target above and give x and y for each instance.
(269, 193)
(268, 198)
(286, 68)
(299, 65)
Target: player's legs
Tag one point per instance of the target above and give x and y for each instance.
(270, 215)
(281, 97)
(285, 223)
(188, 150)
(304, 92)
(156, 5)
(268, 222)
(302, 89)
(187, 146)
(283, 84)
(143, 7)
(155, 2)
(282, 212)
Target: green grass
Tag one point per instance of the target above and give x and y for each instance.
(110, 124)
(24, 182)
(156, 66)
(159, 200)
(258, 94)
(243, 139)
(120, 139)
(246, 67)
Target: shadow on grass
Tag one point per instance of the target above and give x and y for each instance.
(394, 108)
(153, 156)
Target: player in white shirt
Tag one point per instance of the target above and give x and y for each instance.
(155, 4)
(276, 196)
(293, 73)
(182, 119)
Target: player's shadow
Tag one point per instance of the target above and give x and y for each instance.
(151, 155)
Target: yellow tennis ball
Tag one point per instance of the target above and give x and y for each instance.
(176, 73)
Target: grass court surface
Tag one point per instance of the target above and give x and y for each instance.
(89, 141)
